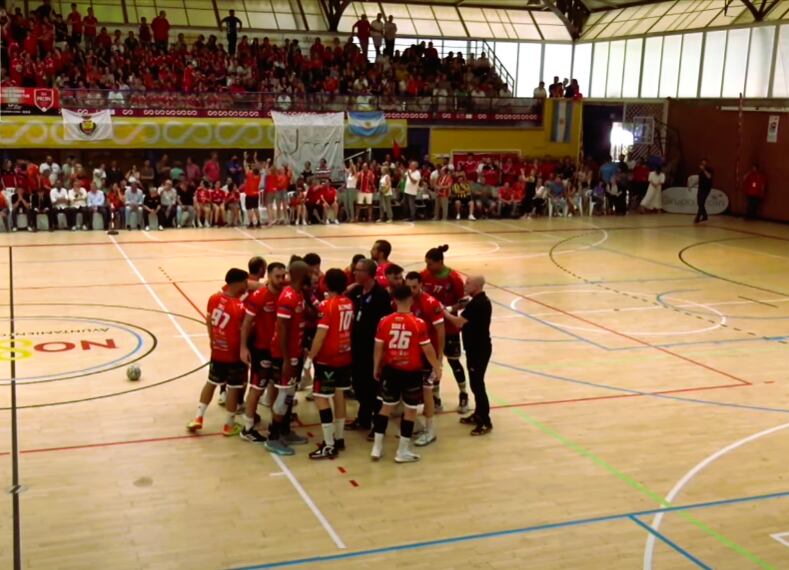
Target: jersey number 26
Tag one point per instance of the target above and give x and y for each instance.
(401, 340)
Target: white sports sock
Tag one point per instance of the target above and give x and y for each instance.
(429, 425)
(230, 418)
(249, 423)
(328, 434)
(339, 428)
(403, 448)
(379, 440)
(201, 408)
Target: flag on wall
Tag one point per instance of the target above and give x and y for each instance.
(367, 123)
(302, 137)
(87, 127)
(562, 124)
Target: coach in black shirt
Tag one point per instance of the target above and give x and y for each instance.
(705, 187)
(371, 302)
(474, 323)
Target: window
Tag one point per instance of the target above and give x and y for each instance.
(689, 66)
(736, 62)
(632, 75)
(558, 60)
(599, 69)
(529, 58)
(759, 60)
(781, 81)
(650, 80)
(582, 66)
(616, 66)
(669, 66)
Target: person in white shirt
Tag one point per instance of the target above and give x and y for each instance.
(58, 195)
(97, 205)
(133, 199)
(52, 166)
(78, 204)
(390, 34)
(100, 177)
(169, 199)
(385, 196)
(350, 193)
(540, 92)
(377, 33)
(653, 200)
(411, 190)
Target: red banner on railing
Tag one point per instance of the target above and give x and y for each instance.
(29, 101)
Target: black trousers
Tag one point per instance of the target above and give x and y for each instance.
(702, 201)
(389, 47)
(477, 364)
(71, 216)
(366, 388)
(161, 216)
(103, 212)
(50, 214)
(232, 39)
(754, 203)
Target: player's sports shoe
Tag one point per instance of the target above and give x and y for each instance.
(407, 457)
(195, 425)
(469, 420)
(222, 398)
(231, 431)
(482, 429)
(437, 404)
(292, 438)
(339, 444)
(277, 447)
(425, 438)
(463, 403)
(252, 435)
(323, 452)
(471, 217)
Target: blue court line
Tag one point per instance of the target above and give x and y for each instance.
(663, 538)
(646, 259)
(510, 532)
(534, 339)
(660, 300)
(641, 392)
(551, 325)
(575, 282)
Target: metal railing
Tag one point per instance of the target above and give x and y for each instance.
(310, 102)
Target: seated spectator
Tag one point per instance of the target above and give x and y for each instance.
(330, 204)
(313, 201)
(186, 204)
(505, 206)
(133, 198)
(169, 201)
(77, 204)
(97, 204)
(40, 203)
(152, 206)
(298, 205)
(115, 206)
(232, 204)
(218, 198)
(461, 194)
(203, 205)
(556, 195)
(4, 211)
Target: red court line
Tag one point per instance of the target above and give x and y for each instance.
(341, 469)
(185, 296)
(623, 335)
(344, 236)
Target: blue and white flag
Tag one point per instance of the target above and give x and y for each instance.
(562, 124)
(367, 124)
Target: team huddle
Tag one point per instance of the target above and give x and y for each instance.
(367, 328)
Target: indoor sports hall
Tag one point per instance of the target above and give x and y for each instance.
(615, 171)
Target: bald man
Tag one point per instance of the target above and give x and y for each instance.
(474, 324)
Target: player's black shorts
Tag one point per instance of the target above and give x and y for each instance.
(401, 385)
(230, 373)
(261, 368)
(276, 372)
(429, 377)
(252, 202)
(452, 346)
(329, 379)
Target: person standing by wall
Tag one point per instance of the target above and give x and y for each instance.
(705, 187)
(474, 324)
(412, 179)
(390, 33)
(755, 184)
(232, 25)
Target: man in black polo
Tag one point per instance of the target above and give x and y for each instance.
(474, 323)
(371, 303)
(705, 187)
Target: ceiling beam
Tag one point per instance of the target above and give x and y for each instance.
(572, 13)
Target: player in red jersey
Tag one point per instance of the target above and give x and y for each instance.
(400, 343)
(287, 351)
(261, 312)
(380, 253)
(224, 318)
(331, 353)
(430, 310)
(446, 285)
(394, 278)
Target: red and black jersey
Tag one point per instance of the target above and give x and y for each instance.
(447, 287)
(226, 314)
(290, 306)
(336, 316)
(262, 305)
(403, 336)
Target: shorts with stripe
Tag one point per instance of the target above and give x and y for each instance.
(329, 379)
(276, 373)
(233, 374)
(261, 368)
(401, 386)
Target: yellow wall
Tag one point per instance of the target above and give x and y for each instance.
(529, 142)
(150, 133)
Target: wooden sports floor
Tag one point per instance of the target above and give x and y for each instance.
(640, 379)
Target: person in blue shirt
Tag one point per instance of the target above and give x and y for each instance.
(608, 171)
(235, 170)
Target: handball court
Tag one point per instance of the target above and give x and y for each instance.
(639, 379)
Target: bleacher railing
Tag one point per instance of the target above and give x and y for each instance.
(255, 104)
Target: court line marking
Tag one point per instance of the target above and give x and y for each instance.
(486, 234)
(354, 236)
(511, 532)
(664, 394)
(779, 536)
(663, 538)
(283, 467)
(638, 486)
(159, 302)
(321, 240)
(759, 302)
(698, 468)
(245, 233)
